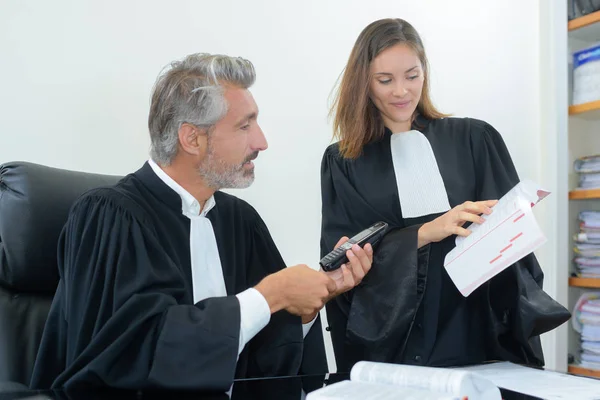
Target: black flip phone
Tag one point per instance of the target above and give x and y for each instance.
(337, 257)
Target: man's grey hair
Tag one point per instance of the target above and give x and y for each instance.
(191, 91)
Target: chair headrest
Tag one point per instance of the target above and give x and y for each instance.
(35, 201)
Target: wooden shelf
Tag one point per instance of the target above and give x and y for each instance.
(577, 370)
(584, 194)
(584, 21)
(585, 282)
(589, 110)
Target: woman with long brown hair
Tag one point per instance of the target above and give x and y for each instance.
(400, 160)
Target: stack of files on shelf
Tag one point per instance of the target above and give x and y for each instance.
(588, 168)
(586, 74)
(587, 245)
(586, 321)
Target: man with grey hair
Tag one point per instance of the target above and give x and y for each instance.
(168, 282)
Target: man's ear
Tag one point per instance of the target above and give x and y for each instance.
(192, 139)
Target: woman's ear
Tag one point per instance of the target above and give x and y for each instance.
(192, 139)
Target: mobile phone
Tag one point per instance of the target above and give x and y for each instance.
(337, 257)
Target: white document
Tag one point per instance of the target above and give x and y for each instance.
(508, 234)
(548, 385)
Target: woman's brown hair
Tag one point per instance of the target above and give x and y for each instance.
(356, 119)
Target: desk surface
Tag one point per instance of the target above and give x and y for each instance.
(284, 388)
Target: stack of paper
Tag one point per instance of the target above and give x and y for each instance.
(586, 321)
(587, 245)
(588, 169)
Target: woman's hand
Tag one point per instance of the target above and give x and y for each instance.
(451, 222)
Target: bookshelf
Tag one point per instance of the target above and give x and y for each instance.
(583, 136)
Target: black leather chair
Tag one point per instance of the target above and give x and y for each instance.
(34, 204)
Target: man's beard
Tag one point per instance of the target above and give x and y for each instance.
(218, 174)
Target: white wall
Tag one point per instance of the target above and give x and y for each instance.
(553, 213)
(75, 81)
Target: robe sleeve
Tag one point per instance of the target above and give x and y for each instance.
(375, 317)
(279, 348)
(518, 308)
(116, 320)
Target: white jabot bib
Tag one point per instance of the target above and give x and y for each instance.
(420, 185)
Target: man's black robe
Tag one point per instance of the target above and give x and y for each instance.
(123, 315)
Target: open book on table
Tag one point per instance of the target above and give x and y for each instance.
(370, 380)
